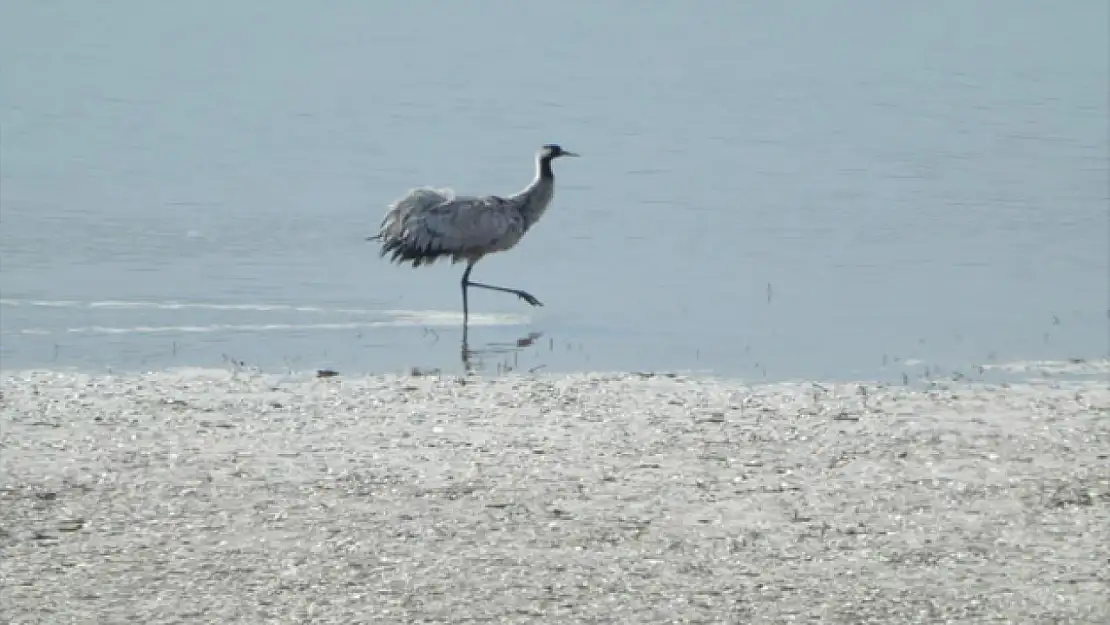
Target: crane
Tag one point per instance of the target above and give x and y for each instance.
(428, 224)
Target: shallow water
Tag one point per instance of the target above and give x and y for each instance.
(777, 191)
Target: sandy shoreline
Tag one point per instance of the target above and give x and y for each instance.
(207, 496)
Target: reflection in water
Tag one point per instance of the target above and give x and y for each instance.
(475, 360)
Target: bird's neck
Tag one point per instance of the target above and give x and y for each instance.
(535, 198)
(543, 168)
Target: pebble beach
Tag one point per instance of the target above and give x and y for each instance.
(214, 496)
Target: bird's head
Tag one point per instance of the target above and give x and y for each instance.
(551, 151)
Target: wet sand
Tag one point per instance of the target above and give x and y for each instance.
(213, 496)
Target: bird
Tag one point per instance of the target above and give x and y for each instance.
(428, 224)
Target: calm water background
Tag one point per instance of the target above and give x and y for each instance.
(922, 181)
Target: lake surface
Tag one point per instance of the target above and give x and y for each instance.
(767, 190)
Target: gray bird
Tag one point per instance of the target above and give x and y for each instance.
(428, 224)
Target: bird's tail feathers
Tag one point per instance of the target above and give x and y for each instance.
(415, 201)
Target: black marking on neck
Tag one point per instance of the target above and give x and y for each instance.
(545, 167)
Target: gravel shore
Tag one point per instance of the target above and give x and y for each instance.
(207, 496)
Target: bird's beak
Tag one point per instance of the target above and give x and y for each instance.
(566, 153)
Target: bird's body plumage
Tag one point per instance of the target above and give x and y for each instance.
(427, 224)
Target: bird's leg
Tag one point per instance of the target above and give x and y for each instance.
(468, 366)
(524, 295)
(466, 318)
(466, 282)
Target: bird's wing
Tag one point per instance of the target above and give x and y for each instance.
(415, 201)
(468, 224)
(430, 222)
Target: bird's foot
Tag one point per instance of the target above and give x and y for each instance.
(528, 298)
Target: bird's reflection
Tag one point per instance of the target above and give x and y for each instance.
(473, 359)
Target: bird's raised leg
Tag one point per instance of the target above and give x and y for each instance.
(466, 282)
(524, 295)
